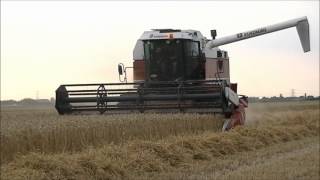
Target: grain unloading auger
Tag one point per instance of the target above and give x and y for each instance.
(174, 70)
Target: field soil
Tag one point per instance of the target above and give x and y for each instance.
(279, 141)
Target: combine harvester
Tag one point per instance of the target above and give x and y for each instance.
(174, 70)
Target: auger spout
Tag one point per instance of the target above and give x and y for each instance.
(301, 24)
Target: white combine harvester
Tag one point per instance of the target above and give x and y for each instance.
(174, 70)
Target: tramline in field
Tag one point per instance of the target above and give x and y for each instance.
(174, 70)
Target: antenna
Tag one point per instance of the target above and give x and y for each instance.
(292, 92)
(37, 94)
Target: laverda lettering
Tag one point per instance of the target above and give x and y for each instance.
(158, 36)
(251, 33)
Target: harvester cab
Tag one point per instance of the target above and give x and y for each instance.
(174, 70)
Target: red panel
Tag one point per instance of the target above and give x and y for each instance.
(234, 87)
(138, 70)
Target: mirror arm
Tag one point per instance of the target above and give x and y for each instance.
(125, 73)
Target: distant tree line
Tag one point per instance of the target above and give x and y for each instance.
(28, 102)
(282, 99)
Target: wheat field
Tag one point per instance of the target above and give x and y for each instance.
(279, 141)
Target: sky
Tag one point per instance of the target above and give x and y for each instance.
(48, 43)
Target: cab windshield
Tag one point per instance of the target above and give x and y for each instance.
(173, 60)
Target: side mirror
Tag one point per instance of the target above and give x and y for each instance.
(120, 69)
